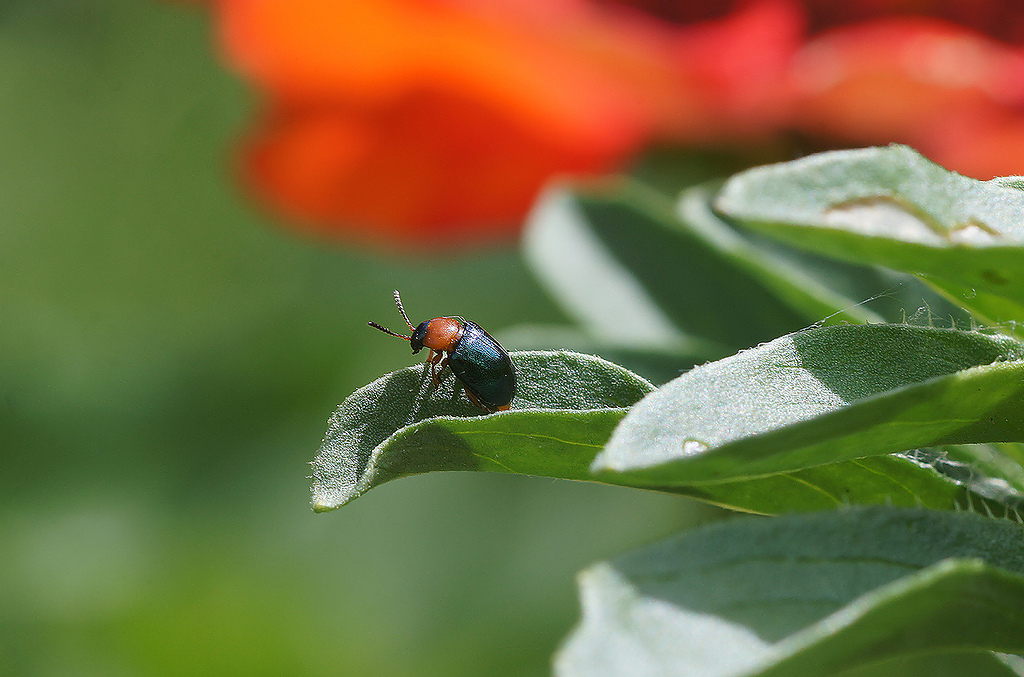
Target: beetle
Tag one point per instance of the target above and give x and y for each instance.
(480, 365)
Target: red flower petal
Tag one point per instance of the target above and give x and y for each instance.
(429, 170)
(439, 121)
(926, 83)
(738, 66)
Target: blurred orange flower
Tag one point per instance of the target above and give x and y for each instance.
(436, 122)
(951, 93)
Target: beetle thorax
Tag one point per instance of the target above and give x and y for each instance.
(440, 333)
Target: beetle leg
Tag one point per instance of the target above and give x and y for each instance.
(441, 361)
(433, 358)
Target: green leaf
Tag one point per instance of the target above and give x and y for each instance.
(566, 407)
(817, 397)
(943, 664)
(992, 469)
(638, 278)
(789, 276)
(803, 596)
(924, 478)
(563, 415)
(828, 290)
(892, 207)
(657, 365)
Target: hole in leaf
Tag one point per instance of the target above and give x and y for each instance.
(974, 232)
(693, 447)
(885, 217)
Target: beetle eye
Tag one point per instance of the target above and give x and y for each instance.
(418, 334)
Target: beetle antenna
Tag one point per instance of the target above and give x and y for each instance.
(398, 302)
(388, 331)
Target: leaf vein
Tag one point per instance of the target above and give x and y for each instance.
(813, 486)
(889, 478)
(530, 436)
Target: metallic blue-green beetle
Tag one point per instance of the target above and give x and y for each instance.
(479, 363)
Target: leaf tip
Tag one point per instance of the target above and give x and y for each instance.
(323, 506)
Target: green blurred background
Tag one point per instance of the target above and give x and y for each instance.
(168, 360)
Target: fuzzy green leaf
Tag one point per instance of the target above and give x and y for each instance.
(818, 397)
(824, 289)
(892, 207)
(638, 277)
(803, 596)
(925, 478)
(566, 407)
(563, 415)
(657, 365)
(790, 277)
